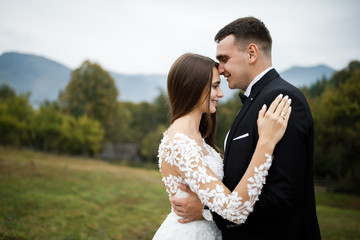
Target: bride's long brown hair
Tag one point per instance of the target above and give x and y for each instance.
(189, 78)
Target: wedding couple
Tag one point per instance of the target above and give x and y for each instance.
(263, 188)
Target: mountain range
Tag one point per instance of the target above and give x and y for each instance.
(45, 78)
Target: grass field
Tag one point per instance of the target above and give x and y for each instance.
(44, 196)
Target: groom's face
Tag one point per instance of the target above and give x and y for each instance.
(233, 63)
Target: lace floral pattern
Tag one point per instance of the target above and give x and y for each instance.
(196, 230)
(182, 155)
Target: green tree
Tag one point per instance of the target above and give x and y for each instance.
(226, 113)
(150, 144)
(55, 131)
(90, 92)
(15, 118)
(342, 76)
(47, 127)
(143, 120)
(6, 92)
(118, 124)
(88, 135)
(316, 89)
(341, 125)
(337, 127)
(161, 104)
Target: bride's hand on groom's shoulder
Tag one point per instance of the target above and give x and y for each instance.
(190, 208)
(272, 122)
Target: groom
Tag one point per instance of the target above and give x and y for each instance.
(286, 206)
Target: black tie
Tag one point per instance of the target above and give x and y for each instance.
(242, 97)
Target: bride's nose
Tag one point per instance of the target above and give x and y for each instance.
(220, 94)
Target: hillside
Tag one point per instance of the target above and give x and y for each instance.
(42, 77)
(305, 76)
(45, 78)
(137, 88)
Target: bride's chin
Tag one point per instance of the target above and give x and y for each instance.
(213, 110)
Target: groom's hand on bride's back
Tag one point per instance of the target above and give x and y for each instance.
(190, 208)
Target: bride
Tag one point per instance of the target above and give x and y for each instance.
(188, 155)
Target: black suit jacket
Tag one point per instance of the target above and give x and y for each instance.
(286, 206)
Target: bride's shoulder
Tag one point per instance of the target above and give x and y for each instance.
(175, 136)
(180, 133)
(170, 137)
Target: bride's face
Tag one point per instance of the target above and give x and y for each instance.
(209, 104)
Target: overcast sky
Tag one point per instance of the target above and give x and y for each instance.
(146, 36)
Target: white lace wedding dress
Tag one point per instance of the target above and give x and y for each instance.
(183, 160)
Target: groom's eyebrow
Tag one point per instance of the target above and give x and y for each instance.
(220, 57)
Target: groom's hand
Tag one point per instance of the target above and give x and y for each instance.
(190, 208)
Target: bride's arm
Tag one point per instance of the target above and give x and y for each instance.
(185, 158)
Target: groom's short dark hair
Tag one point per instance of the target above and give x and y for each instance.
(247, 30)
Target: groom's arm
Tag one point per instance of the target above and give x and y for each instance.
(190, 208)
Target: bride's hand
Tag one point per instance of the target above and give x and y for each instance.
(273, 122)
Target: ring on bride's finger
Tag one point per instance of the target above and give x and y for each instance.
(283, 115)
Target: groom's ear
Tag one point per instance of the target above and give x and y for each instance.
(252, 53)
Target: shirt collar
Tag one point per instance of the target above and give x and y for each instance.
(256, 79)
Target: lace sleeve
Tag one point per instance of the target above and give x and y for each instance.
(185, 157)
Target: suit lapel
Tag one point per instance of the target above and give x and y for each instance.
(254, 92)
(236, 122)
